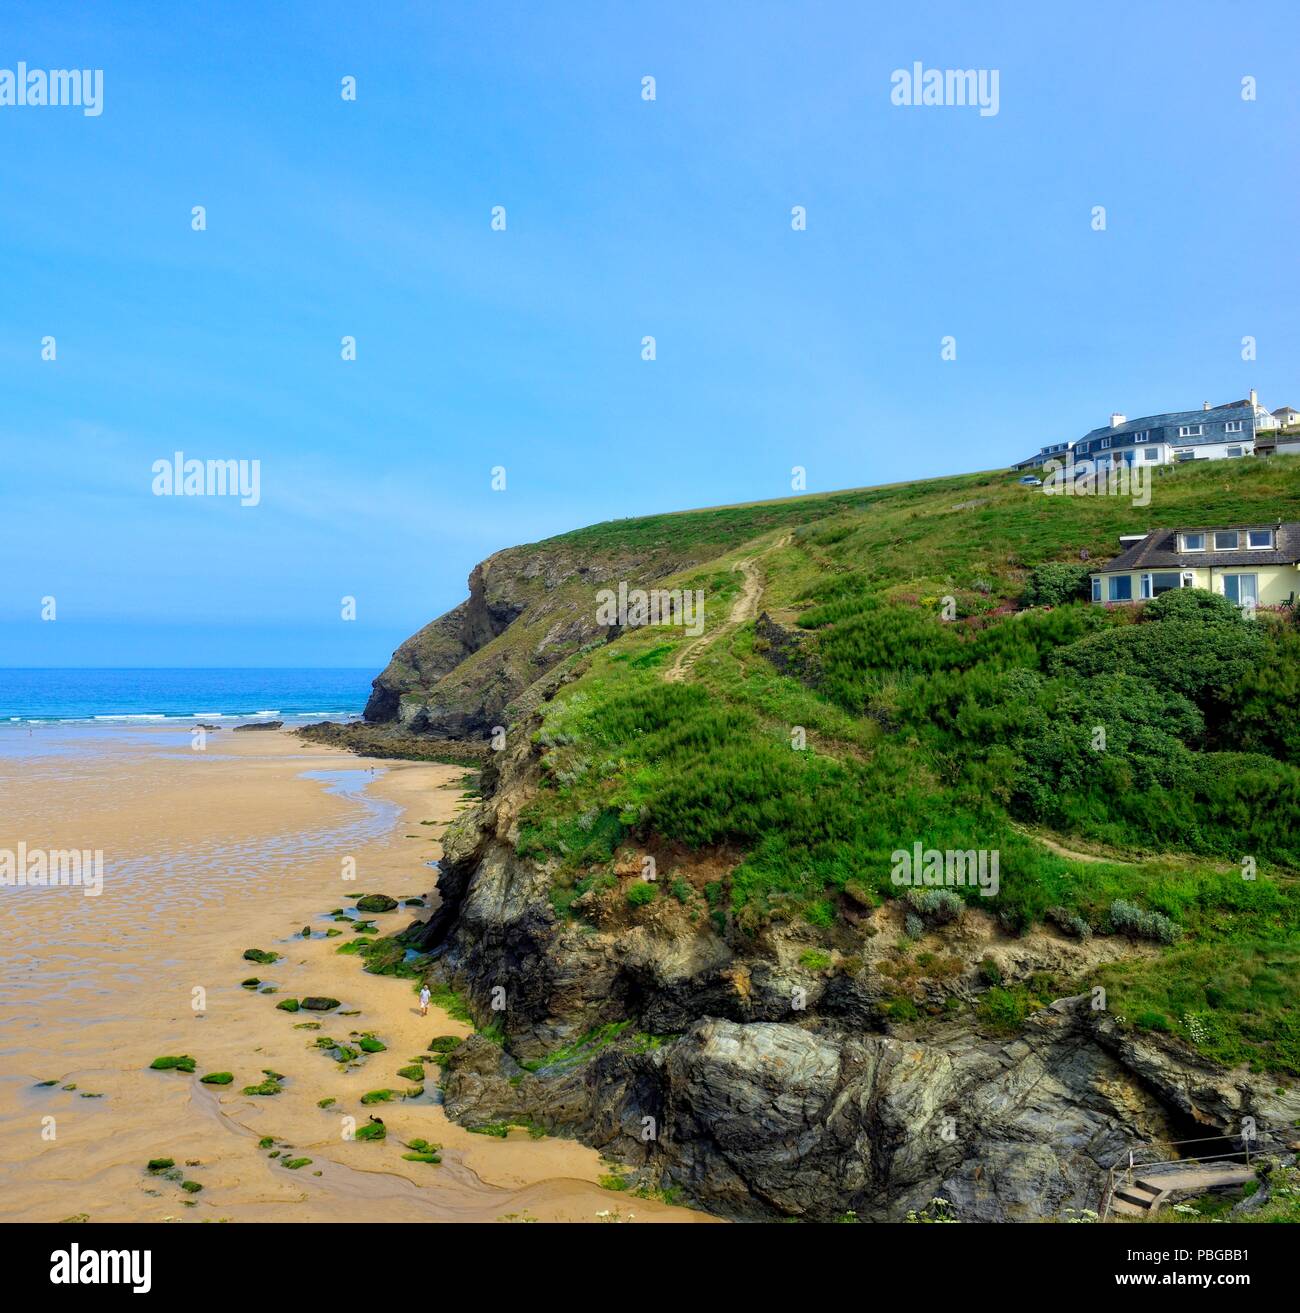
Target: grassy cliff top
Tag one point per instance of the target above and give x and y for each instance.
(1137, 771)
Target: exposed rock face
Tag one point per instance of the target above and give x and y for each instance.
(774, 1119)
(762, 1088)
(759, 1069)
(528, 609)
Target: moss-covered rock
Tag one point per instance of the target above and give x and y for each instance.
(268, 1087)
(287, 1005)
(369, 1044)
(293, 1164)
(376, 903)
(182, 1063)
(371, 1131)
(320, 1003)
(260, 956)
(160, 1164)
(378, 1096)
(191, 1187)
(415, 1072)
(217, 1078)
(444, 1043)
(339, 1052)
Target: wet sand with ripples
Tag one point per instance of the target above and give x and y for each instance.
(207, 854)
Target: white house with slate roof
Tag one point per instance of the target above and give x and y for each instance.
(1250, 564)
(1211, 433)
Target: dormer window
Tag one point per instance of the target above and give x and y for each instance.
(1190, 430)
(1226, 540)
(1232, 426)
(1259, 538)
(1105, 442)
(1193, 542)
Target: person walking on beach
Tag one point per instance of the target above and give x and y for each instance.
(424, 1000)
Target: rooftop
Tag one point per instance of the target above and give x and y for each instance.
(1159, 548)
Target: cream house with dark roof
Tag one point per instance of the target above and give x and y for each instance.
(1250, 564)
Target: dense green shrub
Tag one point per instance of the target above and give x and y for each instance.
(1055, 583)
(1186, 642)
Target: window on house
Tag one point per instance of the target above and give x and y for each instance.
(1232, 426)
(1096, 589)
(1193, 542)
(1259, 538)
(1163, 583)
(1151, 453)
(1234, 451)
(1191, 430)
(1105, 442)
(1142, 436)
(1225, 540)
(1184, 455)
(1241, 588)
(1120, 588)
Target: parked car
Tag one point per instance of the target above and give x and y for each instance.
(1031, 481)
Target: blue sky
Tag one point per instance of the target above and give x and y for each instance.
(624, 218)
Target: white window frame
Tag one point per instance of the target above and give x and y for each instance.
(1259, 547)
(1105, 442)
(1232, 426)
(1233, 452)
(1190, 430)
(1240, 575)
(1149, 582)
(1142, 436)
(1186, 541)
(1151, 453)
(1112, 580)
(1236, 540)
(1096, 588)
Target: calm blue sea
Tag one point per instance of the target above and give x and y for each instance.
(30, 695)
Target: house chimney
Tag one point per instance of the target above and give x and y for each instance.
(1116, 420)
(1254, 397)
(1205, 405)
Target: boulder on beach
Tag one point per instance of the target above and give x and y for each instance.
(319, 1004)
(376, 903)
(261, 724)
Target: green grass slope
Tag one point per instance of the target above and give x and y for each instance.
(790, 763)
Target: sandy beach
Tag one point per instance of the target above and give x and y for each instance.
(207, 854)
